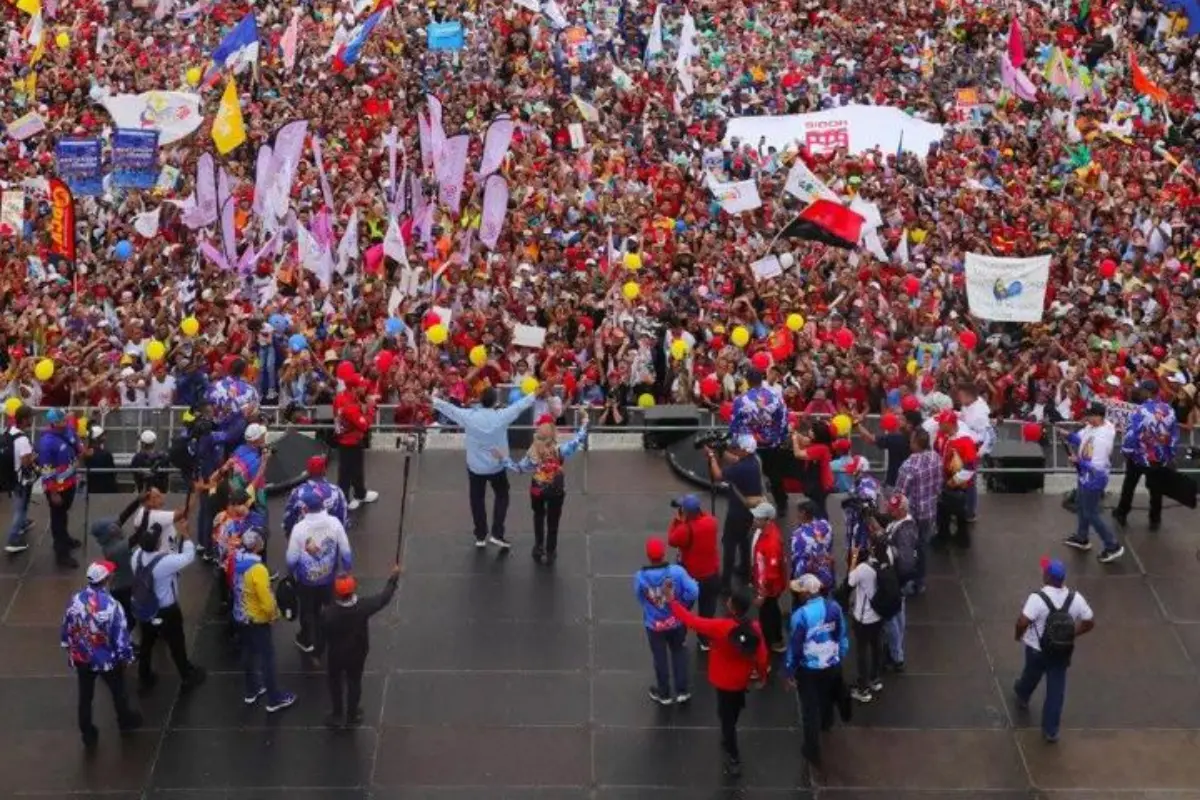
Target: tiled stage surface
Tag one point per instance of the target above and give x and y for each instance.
(490, 678)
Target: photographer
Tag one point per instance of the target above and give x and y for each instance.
(742, 473)
(150, 465)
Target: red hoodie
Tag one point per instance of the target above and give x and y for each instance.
(697, 543)
(351, 422)
(769, 567)
(728, 669)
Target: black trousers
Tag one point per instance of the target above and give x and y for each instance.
(770, 616)
(60, 520)
(817, 690)
(729, 708)
(706, 606)
(952, 507)
(114, 679)
(776, 463)
(868, 645)
(1133, 474)
(735, 551)
(477, 488)
(345, 683)
(547, 511)
(312, 599)
(352, 471)
(170, 629)
(125, 598)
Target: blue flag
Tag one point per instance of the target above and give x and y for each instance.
(1192, 9)
(239, 48)
(347, 54)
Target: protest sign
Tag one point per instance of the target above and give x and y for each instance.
(22, 128)
(79, 165)
(803, 184)
(444, 36)
(855, 128)
(12, 212)
(62, 222)
(767, 268)
(135, 159)
(1007, 289)
(736, 197)
(529, 336)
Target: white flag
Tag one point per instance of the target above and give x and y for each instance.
(348, 246)
(654, 44)
(146, 223)
(313, 257)
(804, 185)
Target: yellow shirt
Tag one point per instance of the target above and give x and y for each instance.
(257, 598)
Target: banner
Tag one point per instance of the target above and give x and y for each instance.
(495, 207)
(444, 36)
(855, 128)
(135, 159)
(12, 213)
(79, 165)
(736, 197)
(174, 115)
(62, 223)
(1007, 289)
(452, 172)
(22, 128)
(803, 184)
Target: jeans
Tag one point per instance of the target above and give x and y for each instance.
(312, 599)
(478, 488)
(59, 522)
(729, 708)
(20, 512)
(868, 644)
(925, 528)
(1133, 474)
(1089, 516)
(817, 690)
(114, 679)
(664, 645)
(1036, 665)
(258, 661)
(547, 511)
(352, 471)
(893, 634)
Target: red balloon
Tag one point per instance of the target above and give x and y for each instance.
(912, 286)
(1031, 432)
(430, 319)
(717, 342)
(844, 338)
(968, 340)
(1158, 351)
(710, 387)
(889, 422)
(344, 370)
(910, 403)
(725, 412)
(780, 353)
(1108, 268)
(384, 361)
(761, 361)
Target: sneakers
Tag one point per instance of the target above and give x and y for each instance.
(876, 686)
(302, 647)
(733, 767)
(704, 647)
(355, 717)
(480, 543)
(661, 699)
(251, 699)
(371, 496)
(499, 542)
(18, 545)
(354, 504)
(861, 695)
(682, 698)
(539, 555)
(1111, 554)
(280, 703)
(1022, 703)
(1078, 544)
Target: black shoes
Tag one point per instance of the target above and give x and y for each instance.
(66, 562)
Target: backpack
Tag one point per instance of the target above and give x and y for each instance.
(904, 543)
(1058, 632)
(144, 599)
(8, 468)
(887, 598)
(744, 639)
(287, 598)
(182, 455)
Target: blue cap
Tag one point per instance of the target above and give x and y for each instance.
(56, 416)
(311, 500)
(1054, 570)
(689, 503)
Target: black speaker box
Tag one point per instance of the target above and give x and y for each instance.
(521, 439)
(1020, 456)
(287, 466)
(687, 417)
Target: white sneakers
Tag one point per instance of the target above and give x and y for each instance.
(370, 497)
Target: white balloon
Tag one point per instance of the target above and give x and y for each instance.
(787, 261)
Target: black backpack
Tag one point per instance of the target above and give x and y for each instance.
(904, 544)
(143, 598)
(8, 468)
(887, 598)
(1058, 632)
(287, 598)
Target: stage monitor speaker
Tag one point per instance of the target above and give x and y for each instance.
(287, 465)
(687, 418)
(1027, 456)
(521, 439)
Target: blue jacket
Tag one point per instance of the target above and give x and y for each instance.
(94, 631)
(1151, 435)
(57, 452)
(332, 498)
(820, 637)
(648, 585)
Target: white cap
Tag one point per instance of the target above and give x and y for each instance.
(806, 584)
(148, 437)
(255, 431)
(746, 443)
(96, 432)
(99, 571)
(763, 510)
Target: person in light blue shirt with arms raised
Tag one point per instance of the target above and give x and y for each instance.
(486, 430)
(820, 640)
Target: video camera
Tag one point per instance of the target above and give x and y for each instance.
(716, 440)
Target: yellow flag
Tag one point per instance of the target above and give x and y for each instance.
(228, 128)
(31, 86)
(30, 7)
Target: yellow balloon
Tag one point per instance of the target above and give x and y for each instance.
(842, 424)
(645, 401)
(679, 349)
(478, 355)
(11, 405)
(190, 326)
(633, 261)
(436, 334)
(795, 322)
(81, 426)
(63, 41)
(911, 366)
(156, 350)
(529, 384)
(193, 75)
(740, 336)
(631, 290)
(44, 370)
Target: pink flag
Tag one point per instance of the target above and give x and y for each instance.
(452, 172)
(1016, 44)
(228, 207)
(289, 41)
(262, 179)
(495, 145)
(1016, 81)
(426, 143)
(204, 212)
(213, 254)
(495, 207)
(437, 133)
(326, 192)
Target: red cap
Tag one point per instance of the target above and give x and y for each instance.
(655, 550)
(947, 417)
(344, 586)
(544, 419)
(841, 446)
(316, 465)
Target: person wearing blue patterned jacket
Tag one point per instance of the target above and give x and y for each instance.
(317, 550)
(96, 638)
(332, 498)
(820, 640)
(1091, 448)
(58, 451)
(760, 413)
(1149, 446)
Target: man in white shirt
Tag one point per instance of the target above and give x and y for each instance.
(160, 391)
(866, 624)
(24, 476)
(976, 419)
(1091, 453)
(1052, 619)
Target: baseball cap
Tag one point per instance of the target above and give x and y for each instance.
(99, 571)
(806, 584)
(544, 419)
(947, 417)
(746, 443)
(763, 511)
(315, 465)
(255, 431)
(1096, 410)
(251, 539)
(56, 416)
(655, 549)
(96, 432)
(688, 503)
(1053, 569)
(148, 437)
(344, 586)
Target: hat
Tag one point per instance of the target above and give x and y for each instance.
(251, 539)
(763, 510)
(688, 503)
(315, 465)
(255, 431)
(96, 432)
(896, 500)
(56, 416)
(655, 549)
(857, 464)
(746, 443)
(1096, 410)
(148, 437)
(1054, 570)
(331, 355)
(806, 584)
(310, 500)
(344, 586)
(544, 419)
(947, 417)
(99, 571)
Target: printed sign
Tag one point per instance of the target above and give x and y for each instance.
(79, 165)
(135, 158)
(827, 136)
(12, 212)
(1007, 289)
(445, 36)
(736, 197)
(22, 128)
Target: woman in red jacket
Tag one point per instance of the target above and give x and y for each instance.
(738, 652)
(769, 574)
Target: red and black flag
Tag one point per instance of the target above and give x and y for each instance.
(827, 222)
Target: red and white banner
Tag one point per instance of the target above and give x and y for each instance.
(62, 222)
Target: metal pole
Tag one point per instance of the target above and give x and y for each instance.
(403, 507)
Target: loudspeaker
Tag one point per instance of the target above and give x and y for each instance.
(287, 466)
(669, 416)
(1016, 455)
(523, 438)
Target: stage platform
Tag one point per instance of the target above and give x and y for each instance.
(493, 678)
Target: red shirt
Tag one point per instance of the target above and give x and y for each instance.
(728, 669)
(770, 573)
(697, 543)
(351, 422)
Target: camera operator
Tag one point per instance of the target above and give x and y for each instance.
(150, 465)
(742, 473)
(153, 513)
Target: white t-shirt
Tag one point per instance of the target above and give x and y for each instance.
(160, 394)
(1036, 612)
(21, 447)
(862, 581)
(170, 537)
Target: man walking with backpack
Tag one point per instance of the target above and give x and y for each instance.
(903, 542)
(876, 598)
(1052, 619)
(18, 472)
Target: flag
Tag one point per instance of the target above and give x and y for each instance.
(1056, 70)
(1192, 9)
(319, 158)
(1016, 44)
(146, 223)
(586, 109)
(1016, 81)
(291, 38)
(901, 255)
(437, 129)
(495, 145)
(31, 7)
(495, 207)
(239, 48)
(1142, 84)
(654, 44)
(347, 55)
(827, 222)
(228, 205)
(347, 248)
(452, 171)
(229, 130)
(263, 178)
